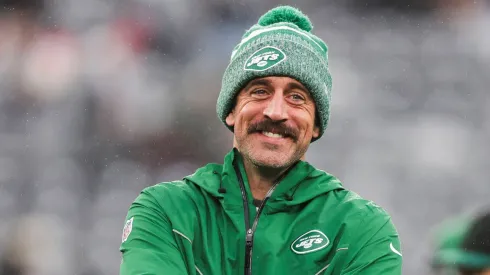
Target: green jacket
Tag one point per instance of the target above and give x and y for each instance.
(309, 224)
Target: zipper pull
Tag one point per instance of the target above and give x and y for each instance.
(249, 238)
(248, 250)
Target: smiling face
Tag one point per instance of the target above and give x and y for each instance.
(274, 121)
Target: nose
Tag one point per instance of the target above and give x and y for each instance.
(276, 108)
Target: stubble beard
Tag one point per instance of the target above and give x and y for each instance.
(269, 158)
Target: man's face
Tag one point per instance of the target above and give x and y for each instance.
(274, 121)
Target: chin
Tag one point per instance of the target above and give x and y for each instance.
(272, 159)
(269, 154)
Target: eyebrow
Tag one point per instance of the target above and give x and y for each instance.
(298, 86)
(268, 83)
(258, 82)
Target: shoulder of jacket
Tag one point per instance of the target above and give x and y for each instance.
(169, 186)
(169, 192)
(364, 218)
(358, 206)
(183, 188)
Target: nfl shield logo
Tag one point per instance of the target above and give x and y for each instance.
(127, 229)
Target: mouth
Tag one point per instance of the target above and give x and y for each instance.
(272, 135)
(273, 132)
(273, 138)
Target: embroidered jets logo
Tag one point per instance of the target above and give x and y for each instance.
(309, 242)
(127, 229)
(264, 59)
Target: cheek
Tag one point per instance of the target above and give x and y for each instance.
(248, 113)
(307, 122)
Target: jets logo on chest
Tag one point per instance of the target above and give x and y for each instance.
(311, 241)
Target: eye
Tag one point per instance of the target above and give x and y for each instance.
(259, 92)
(297, 97)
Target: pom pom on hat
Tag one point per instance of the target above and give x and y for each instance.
(286, 14)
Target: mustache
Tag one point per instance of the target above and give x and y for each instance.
(273, 127)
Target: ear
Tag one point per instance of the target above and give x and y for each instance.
(316, 131)
(230, 119)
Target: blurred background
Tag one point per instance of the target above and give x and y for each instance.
(101, 98)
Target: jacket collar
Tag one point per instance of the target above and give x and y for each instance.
(288, 184)
(302, 182)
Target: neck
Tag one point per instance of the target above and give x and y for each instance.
(261, 179)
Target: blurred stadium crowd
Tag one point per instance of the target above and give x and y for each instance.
(101, 98)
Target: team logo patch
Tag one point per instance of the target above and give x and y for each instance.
(309, 242)
(264, 59)
(127, 229)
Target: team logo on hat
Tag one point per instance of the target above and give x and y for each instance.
(264, 59)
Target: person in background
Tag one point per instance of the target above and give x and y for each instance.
(463, 246)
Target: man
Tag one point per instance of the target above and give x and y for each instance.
(464, 247)
(265, 210)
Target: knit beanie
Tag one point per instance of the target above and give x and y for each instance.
(280, 44)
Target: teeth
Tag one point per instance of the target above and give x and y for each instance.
(272, 135)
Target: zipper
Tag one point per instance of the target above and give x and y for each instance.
(250, 230)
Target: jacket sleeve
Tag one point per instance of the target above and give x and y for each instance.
(148, 244)
(377, 250)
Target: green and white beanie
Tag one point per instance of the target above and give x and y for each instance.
(280, 44)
